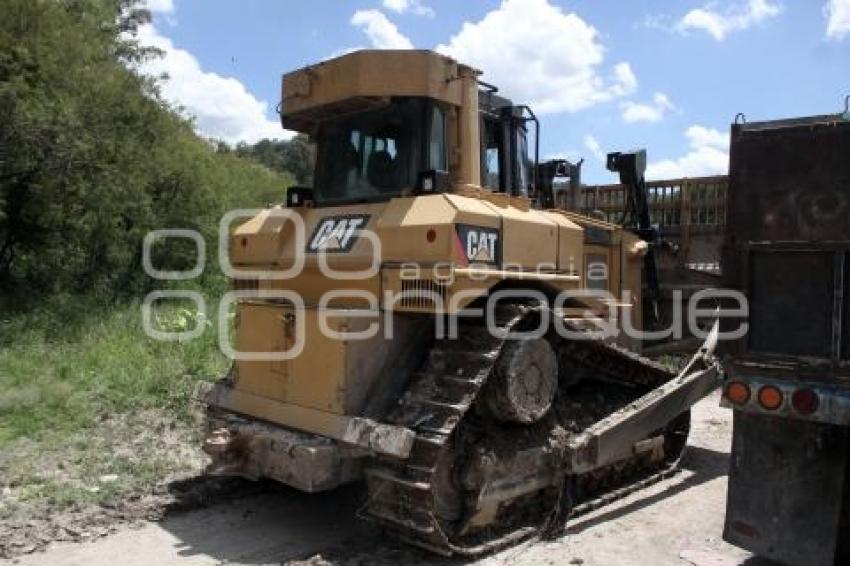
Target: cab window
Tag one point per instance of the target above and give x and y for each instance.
(523, 166)
(437, 145)
(491, 173)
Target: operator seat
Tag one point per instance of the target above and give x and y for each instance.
(381, 170)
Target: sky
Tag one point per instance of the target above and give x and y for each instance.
(602, 75)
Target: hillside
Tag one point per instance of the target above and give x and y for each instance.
(92, 411)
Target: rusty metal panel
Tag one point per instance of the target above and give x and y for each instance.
(791, 299)
(790, 180)
(788, 224)
(845, 317)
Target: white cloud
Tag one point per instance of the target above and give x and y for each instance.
(702, 136)
(656, 21)
(160, 6)
(625, 81)
(708, 155)
(413, 6)
(595, 149)
(651, 112)
(222, 106)
(538, 54)
(735, 18)
(381, 31)
(571, 155)
(838, 18)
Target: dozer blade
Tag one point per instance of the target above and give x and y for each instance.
(616, 437)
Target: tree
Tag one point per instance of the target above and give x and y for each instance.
(295, 156)
(91, 157)
(299, 158)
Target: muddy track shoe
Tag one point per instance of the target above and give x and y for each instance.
(487, 468)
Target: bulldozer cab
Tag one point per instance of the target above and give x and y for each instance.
(391, 151)
(374, 144)
(378, 154)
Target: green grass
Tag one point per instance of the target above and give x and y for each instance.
(85, 393)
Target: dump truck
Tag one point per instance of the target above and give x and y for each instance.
(787, 247)
(423, 319)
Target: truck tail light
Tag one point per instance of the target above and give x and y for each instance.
(738, 393)
(770, 397)
(805, 401)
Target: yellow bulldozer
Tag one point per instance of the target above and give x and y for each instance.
(425, 320)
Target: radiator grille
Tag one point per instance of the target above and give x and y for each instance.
(423, 294)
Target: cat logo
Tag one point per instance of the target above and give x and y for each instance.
(479, 244)
(337, 234)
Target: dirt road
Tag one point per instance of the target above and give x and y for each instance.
(675, 522)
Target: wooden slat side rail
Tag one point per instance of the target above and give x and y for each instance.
(684, 209)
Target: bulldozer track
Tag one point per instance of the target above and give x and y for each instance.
(401, 493)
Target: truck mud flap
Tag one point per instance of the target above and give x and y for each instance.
(787, 497)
